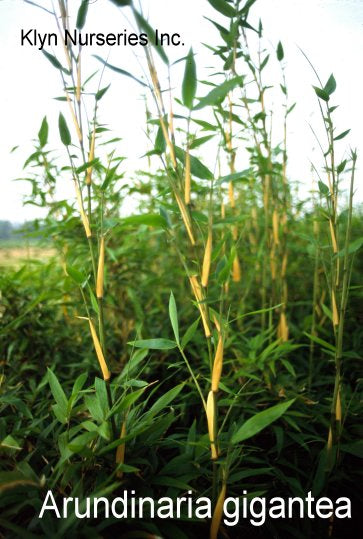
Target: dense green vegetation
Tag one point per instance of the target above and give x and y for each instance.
(211, 341)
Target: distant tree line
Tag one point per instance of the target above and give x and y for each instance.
(10, 231)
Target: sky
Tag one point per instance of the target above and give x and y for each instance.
(329, 31)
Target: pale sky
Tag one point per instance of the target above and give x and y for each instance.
(329, 31)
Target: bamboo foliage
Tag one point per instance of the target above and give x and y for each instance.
(227, 240)
(337, 277)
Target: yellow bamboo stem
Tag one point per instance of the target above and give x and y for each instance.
(236, 269)
(187, 184)
(197, 290)
(207, 259)
(217, 365)
(101, 358)
(185, 217)
(211, 419)
(100, 271)
(218, 513)
(333, 237)
(91, 157)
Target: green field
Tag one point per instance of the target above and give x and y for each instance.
(15, 255)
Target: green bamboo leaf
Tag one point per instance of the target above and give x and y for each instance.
(101, 92)
(323, 189)
(288, 366)
(148, 219)
(223, 7)
(126, 402)
(79, 443)
(226, 35)
(247, 6)
(189, 334)
(323, 343)
(59, 395)
(110, 176)
(82, 14)
(321, 93)
(199, 141)
(260, 421)
(173, 314)
(353, 247)
(93, 299)
(264, 62)
(236, 176)
(280, 51)
(290, 109)
(94, 408)
(332, 109)
(85, 166)
(217, 95)
(342, 135)
(165, 399)
(229, 62)
(171, 482)
(196, 167)
(354, 448)
(54, 61)
(233, 478)
(122, 3)
(206, 126)
(145, 26)
(341, 166)
(154, 344)
(189, 86)
(119, 70)
(327, 311)
(43, 133)
(78, 384)
(75, 275)
(101, 393)
(10, 444)
(331, 85)
(246, 24)
(160, 143)
(63, 130)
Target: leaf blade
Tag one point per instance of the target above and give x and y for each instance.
(82, 14)
(58, 394)
(223, 7)
(219, 93)
(260, 421)
(119, 70)
(173, 315)
(154, 344)
(43, 133)
(63, 130)
(189, 85)
(280, 51)
(145, 26)
(196, 166)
